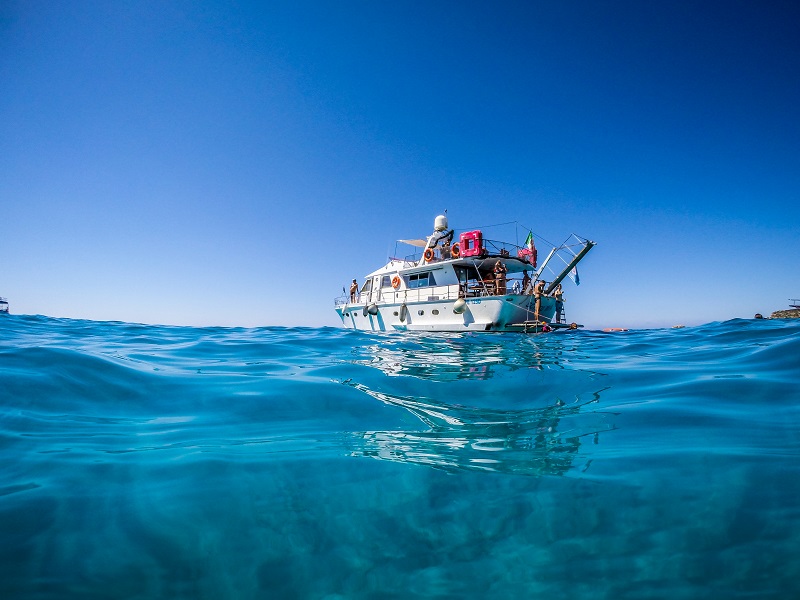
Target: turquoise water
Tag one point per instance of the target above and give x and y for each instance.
(172, 462)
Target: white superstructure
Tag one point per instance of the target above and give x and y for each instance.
(473, 284)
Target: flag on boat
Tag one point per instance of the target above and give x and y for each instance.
(529, 252)
(574, 276)
(529, 241)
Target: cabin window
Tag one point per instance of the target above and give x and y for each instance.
(466, 274)
(386, 281)
(419, 280)
(367, 287)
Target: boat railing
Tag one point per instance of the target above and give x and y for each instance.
(407, 261)
(474, 289)
(492, 247)
(496, 247)
(423, 294)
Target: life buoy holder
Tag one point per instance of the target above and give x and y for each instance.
(455, 250)
(471, 243)
(428, 254)
(396, 282)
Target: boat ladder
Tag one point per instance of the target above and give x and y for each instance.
(563, 317)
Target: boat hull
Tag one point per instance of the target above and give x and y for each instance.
(512, 312)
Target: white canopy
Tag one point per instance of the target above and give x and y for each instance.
(417, 243)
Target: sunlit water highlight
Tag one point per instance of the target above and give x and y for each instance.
(171, 462)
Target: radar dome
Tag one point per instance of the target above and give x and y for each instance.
(440, 224)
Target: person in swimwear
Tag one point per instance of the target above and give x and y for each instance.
(500, 271)
(353, 291)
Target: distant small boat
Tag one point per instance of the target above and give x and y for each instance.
(3, 306)
(461, 287)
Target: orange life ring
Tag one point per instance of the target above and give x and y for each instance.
(455, 250)
(428, 255)
(395, 282)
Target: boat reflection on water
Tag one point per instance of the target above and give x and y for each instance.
(452, 357)
(536, 441)
(533, 417)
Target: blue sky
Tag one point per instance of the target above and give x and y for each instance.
(211, 163)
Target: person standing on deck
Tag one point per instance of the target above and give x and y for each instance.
(353, 291)
(446, 249)
(559, 294)
(488, 284)
(526, 282)
(538, 292)
(500, 271)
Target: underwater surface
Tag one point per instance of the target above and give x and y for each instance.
(146, 461)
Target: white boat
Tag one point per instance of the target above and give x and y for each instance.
(3, 305)
(446, 286)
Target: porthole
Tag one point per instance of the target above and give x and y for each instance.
(435, 312)
(395, 313)
(420, 312)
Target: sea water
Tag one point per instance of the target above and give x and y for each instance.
(142, 461)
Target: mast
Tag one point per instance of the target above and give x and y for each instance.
(588, 246)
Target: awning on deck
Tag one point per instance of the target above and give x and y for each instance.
(417, 243)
